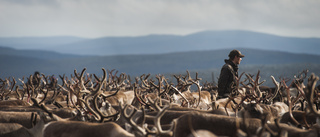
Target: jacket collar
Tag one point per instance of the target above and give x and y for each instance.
(234, 66)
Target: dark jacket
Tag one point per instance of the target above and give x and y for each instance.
(228, 78)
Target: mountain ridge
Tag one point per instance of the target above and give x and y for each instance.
(40, 54)
(18, 66)
(204, 40)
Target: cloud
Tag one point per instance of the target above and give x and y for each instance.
(98, 18)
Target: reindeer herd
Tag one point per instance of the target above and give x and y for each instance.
(114, 105)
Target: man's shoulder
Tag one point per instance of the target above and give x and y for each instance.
(227, 66)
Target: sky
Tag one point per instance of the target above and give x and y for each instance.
(101, 18)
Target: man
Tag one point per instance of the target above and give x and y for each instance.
(229, 74)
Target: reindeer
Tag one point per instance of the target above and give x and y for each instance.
(18, 130)
(191, 98)
(227, 126)
(7, 89)
(84, 129)
(22, 118)
(262, 103)
(255, 112)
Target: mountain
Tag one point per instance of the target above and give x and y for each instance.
(18, 67)
(206, 40)
(175, 62)
(38, 43)
(161, 44)
(40, 54)
(204, 62)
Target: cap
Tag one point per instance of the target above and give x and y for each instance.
(234, 53)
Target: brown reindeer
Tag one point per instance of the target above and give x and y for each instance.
(18, 130)
(227, 126)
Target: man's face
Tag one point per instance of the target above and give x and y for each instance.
(237, 60)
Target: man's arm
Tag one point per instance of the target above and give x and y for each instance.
(223, 80)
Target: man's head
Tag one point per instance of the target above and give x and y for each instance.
(235, 56)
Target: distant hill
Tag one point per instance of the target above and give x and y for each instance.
(161, 44)
(204, 62)
(40, 54)
(38, 43)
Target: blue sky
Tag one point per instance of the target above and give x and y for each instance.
(100, 18)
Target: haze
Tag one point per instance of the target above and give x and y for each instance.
(100, 18)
